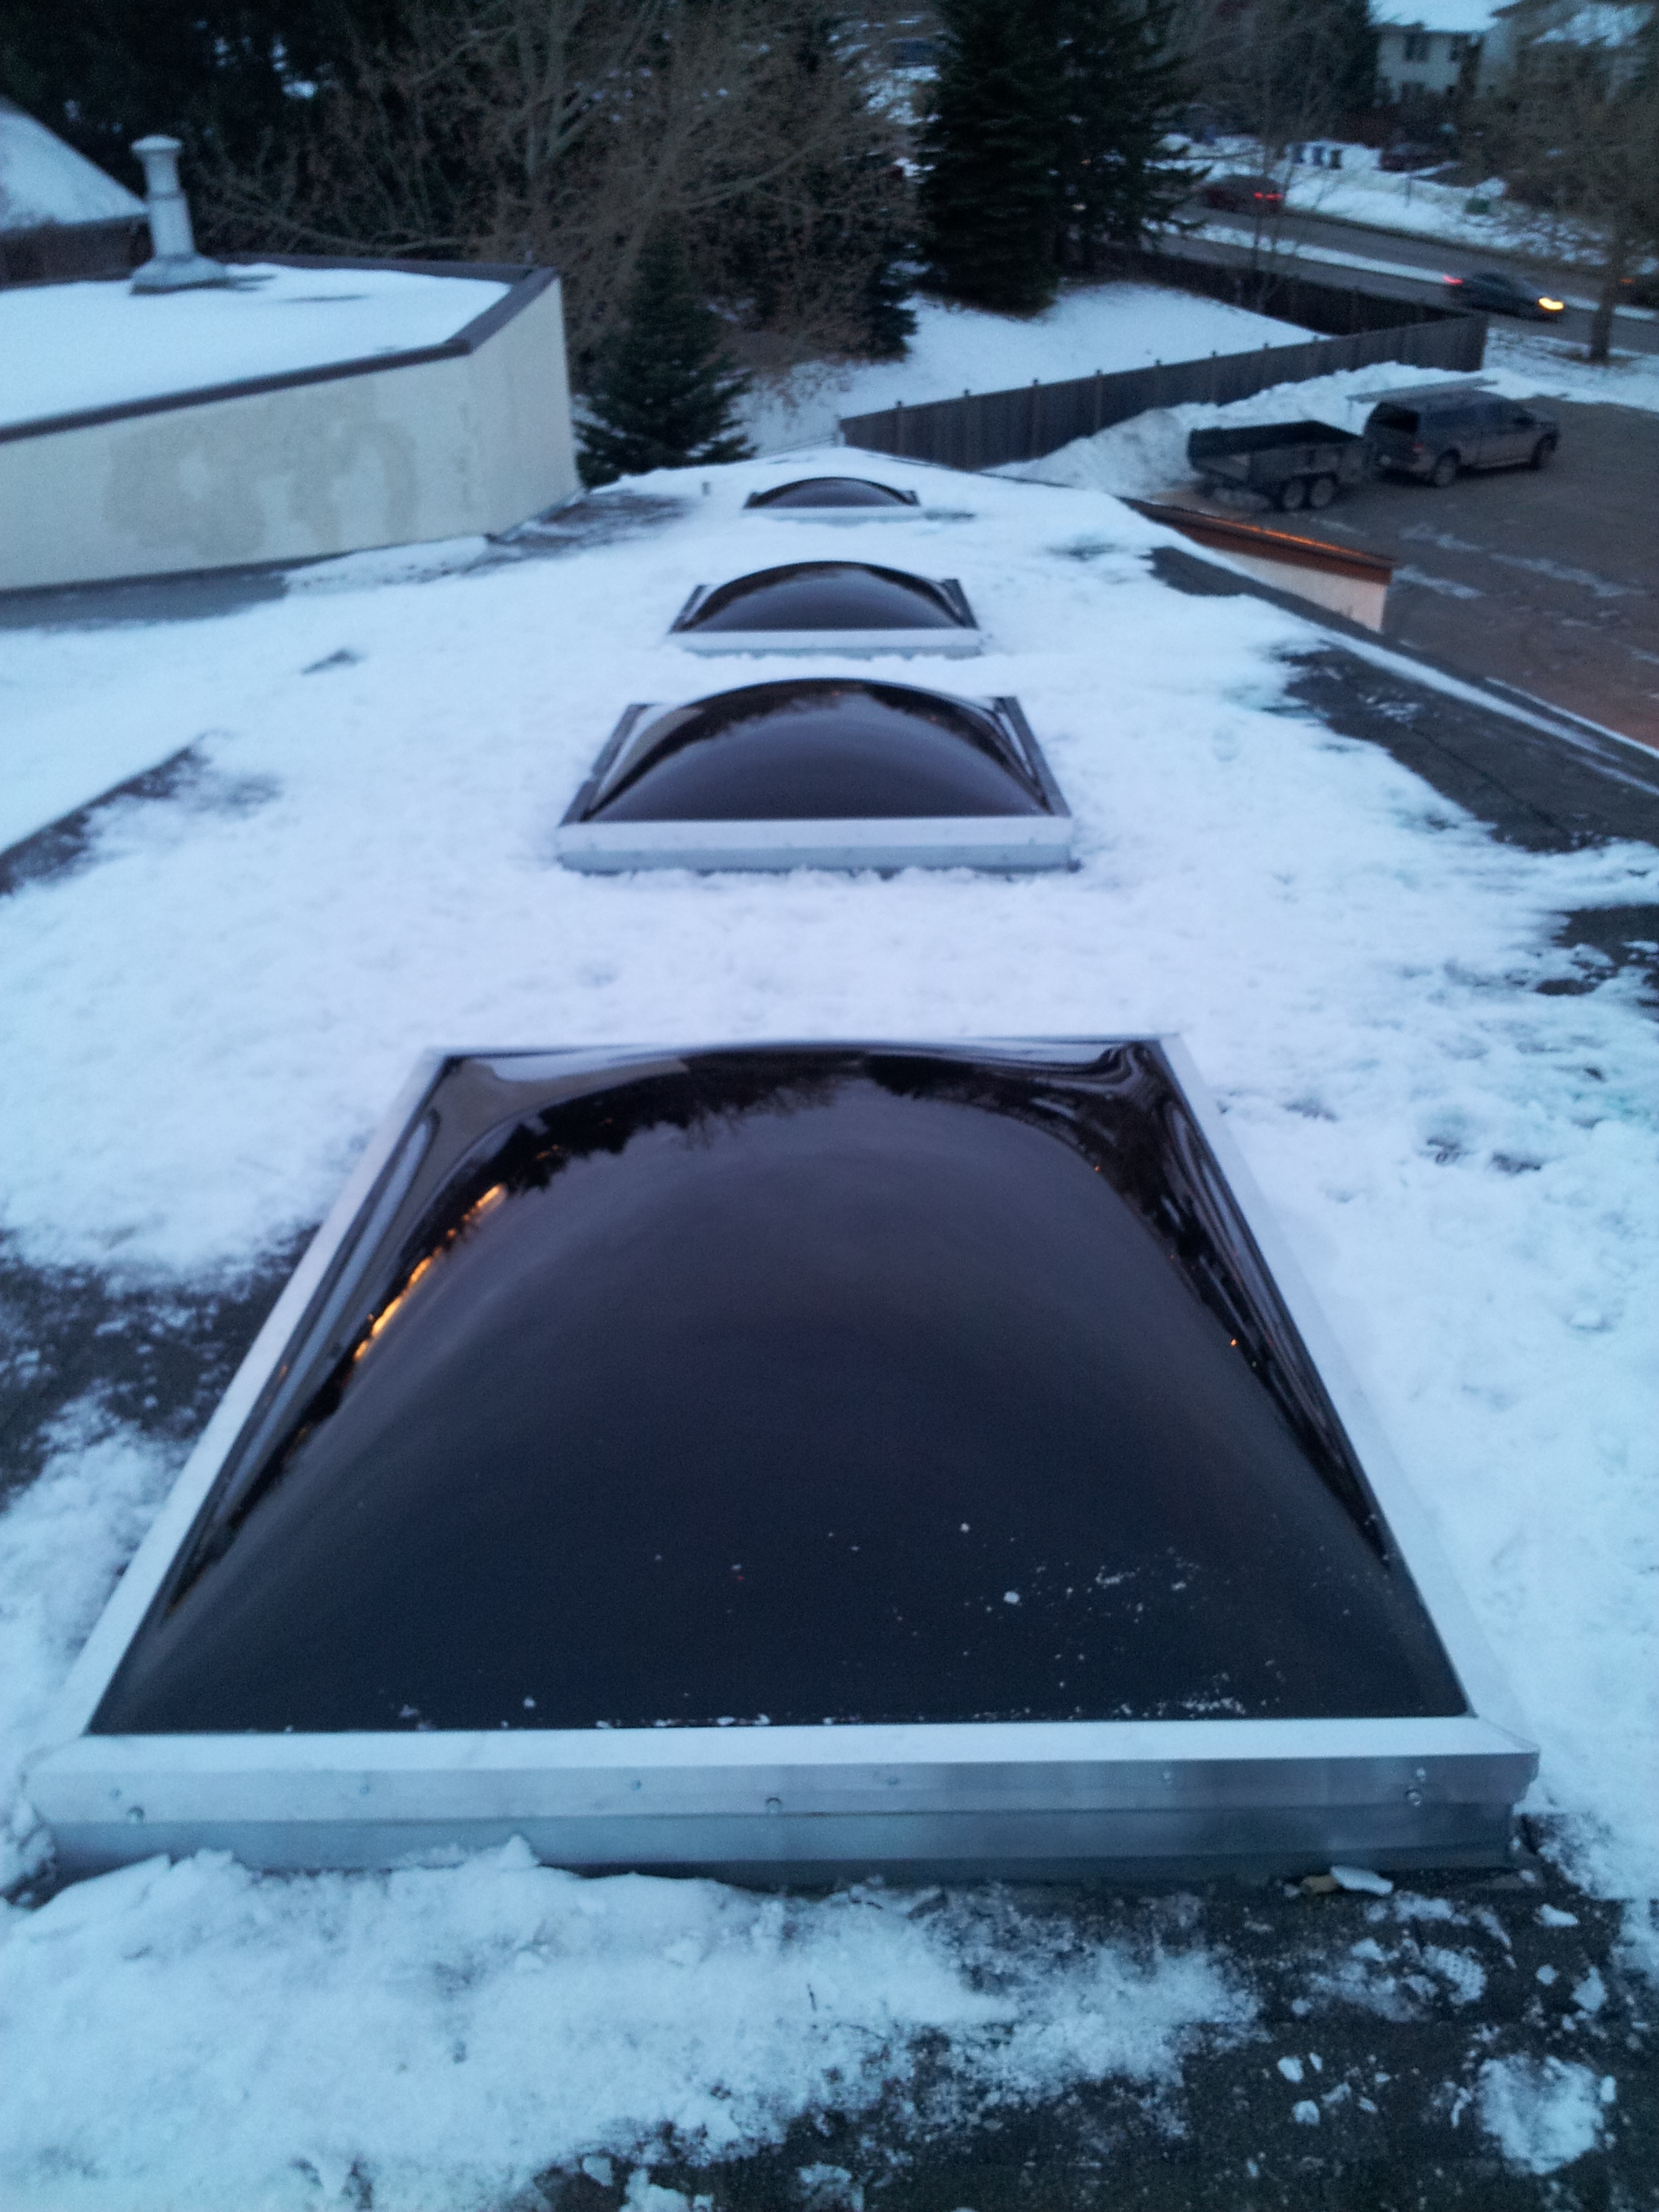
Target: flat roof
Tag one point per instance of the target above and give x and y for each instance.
(70, 347)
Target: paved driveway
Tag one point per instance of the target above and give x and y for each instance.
(1546, 581)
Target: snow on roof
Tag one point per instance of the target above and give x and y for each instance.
(1464, 18)
(44, 180)
(72, 346)
(1602, 23)
(208, 1014)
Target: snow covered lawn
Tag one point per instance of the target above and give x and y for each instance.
(65, 347)
(206, 1018)
(957, 349)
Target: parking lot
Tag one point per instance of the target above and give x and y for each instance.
(1547, 581)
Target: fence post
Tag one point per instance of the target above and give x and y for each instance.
(1100, 395)
(898, 428)
(1031, 434)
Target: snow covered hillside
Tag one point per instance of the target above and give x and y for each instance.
(207, 1011)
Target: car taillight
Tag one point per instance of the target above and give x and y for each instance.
(1416, 448)
(1451, 280)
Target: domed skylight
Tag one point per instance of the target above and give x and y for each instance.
(849, 771)
(909, 1440)
(832, 491)
(847, 605)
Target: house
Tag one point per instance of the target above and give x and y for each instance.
(1433, 50)
(60, 216)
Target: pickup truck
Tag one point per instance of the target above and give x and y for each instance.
(1295, 463)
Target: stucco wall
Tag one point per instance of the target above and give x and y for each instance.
(473, 442)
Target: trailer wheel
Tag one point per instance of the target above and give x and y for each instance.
(1444, 472)
(1292, 493)
(1540, 454)
(1321, 491)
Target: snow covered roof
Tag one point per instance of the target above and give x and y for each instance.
(43, 180)
(1602, 24)
(216, 980)
(1465, 18)
(72, 347)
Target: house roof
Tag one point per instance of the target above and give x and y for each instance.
(43, 180)
(1464, 18)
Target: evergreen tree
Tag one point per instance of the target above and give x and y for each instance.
(988, 198)
(663, 388)
(1120, 89)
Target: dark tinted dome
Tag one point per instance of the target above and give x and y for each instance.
(817, 750)
(827, 595)
(832, 491)
(806, 1383)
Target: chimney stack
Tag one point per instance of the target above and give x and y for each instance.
(175, 265)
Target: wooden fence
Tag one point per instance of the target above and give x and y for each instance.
(985, 429)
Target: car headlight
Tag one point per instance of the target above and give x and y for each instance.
(1554, 306)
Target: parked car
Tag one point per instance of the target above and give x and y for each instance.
(1242, 190)
(1295, 463)
(1435, 433)
(1504, 296)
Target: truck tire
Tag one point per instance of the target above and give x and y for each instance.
(1321, 491)
(1444, 471)
(1540, 454)
(1292, 493)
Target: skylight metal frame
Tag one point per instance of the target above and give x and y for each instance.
(1126, 1800)
(1002, 843)
(960, 642)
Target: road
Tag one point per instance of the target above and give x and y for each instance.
(1319, 243)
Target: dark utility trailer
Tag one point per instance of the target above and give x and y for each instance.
(1294, 464)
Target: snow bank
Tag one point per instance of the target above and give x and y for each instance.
(70, 346)
(1101, 327)
(1147, 455)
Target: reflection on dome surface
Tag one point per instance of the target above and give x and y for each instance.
(832, 491)
(846, 595)
(818, 749)
(811, 1383)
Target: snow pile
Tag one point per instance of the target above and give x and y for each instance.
(201, 2037)
(72, 346)
(1544, 2112)
(1147, 454)
(1101, 326)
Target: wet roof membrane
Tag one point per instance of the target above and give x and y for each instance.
(833, 491)
(659, 1445)
(835, 771)
(847, 605)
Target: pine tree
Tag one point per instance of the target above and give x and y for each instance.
(1119, 90)
(988, 198)
(663, 389)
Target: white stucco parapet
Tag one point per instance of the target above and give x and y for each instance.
(466, 436)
